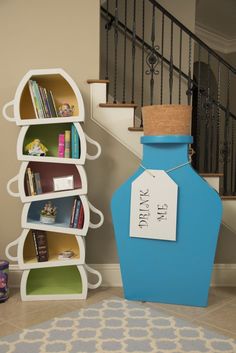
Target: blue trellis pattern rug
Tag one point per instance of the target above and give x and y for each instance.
(120, 326)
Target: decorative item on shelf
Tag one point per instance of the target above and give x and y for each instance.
(63, 183)
(65, 255)
(4, 291)
(65, 110)
(36, 148)
(48, 213)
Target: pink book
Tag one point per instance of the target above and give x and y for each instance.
(61, 145)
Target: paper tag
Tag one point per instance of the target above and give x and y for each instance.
(153, 208)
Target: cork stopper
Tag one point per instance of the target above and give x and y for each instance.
(167, 119)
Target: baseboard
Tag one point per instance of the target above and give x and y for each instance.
(224, 275)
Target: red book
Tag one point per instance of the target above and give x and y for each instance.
(61, 145)
(81, 218)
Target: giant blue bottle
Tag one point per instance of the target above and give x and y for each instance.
(177, 272)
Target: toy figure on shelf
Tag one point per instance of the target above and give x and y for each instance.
(48, 213)
(36, 148)
(66, 110)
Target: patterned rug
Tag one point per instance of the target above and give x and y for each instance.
(120, 326)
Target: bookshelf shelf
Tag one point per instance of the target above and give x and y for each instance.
(64, 90)
(47, 172)
(53, 150)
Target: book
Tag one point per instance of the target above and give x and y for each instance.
(81, 218)
(27, 184)
(67, 144)
(75, 146)
(31, 181)
(61, 145)
(38, 186)
(33, 97)
(53, 103)
(41, 245)
(76, 216)
(73, 212)
(38, 100)
(44, 101)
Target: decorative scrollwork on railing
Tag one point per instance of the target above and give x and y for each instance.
(225, 151)
(152, 61)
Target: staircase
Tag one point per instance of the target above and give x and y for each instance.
(149, 57)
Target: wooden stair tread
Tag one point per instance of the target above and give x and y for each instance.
(230, 197)
(117, 105)
(97, 81)
(135, 129)
(216, 175)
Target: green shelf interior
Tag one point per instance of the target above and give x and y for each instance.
(48, 136)
(55, 280)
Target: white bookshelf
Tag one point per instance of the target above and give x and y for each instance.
(56, 278)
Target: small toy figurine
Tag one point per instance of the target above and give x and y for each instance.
(66, 110)
(3, 285)
(36, 148)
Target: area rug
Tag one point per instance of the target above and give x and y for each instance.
(120, 326)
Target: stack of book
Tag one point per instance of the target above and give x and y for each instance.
(77, 214)
(33, 183)
(68, 144)
(43, 101)
(41, 245)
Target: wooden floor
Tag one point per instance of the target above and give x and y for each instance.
(220, 315)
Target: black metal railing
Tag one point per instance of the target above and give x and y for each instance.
(152, 58)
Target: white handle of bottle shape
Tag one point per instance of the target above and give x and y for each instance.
(95, 210)
(10, 182)
(10, 245)
(95, 285)
(4, 111)
(95, 143)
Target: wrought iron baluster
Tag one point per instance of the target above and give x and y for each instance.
(171, 63)
(152, 58)
(206, 118)
(143, 38)
(115, 51)
(226, 145)
(218, 118)
(199, 108)
(107, 40)
(162, 54)
(125, 44)
(233, 161)
(189, 70)
(133, 50)
(180, 63)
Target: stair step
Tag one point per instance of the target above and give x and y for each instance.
(230, 197)
(135, 129)
(211, 175)
(97, 81)
(117, 105)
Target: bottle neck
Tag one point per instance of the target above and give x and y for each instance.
(164, 155)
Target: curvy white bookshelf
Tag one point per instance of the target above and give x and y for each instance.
(64, 90)
(50, 135)
(57, 243)
(30, 217)
(38, 149)
(48, 172)
(57, 283)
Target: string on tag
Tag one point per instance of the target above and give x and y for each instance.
(167, 170)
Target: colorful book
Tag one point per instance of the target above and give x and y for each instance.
(38, 99)
(38, 186)
(73, 212)
(67, 144)
(75, 145)
(81, 218)
(77, 210)
(41, 245)
(61, 145)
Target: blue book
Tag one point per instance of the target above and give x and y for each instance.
(76, 216)
(75, 146)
